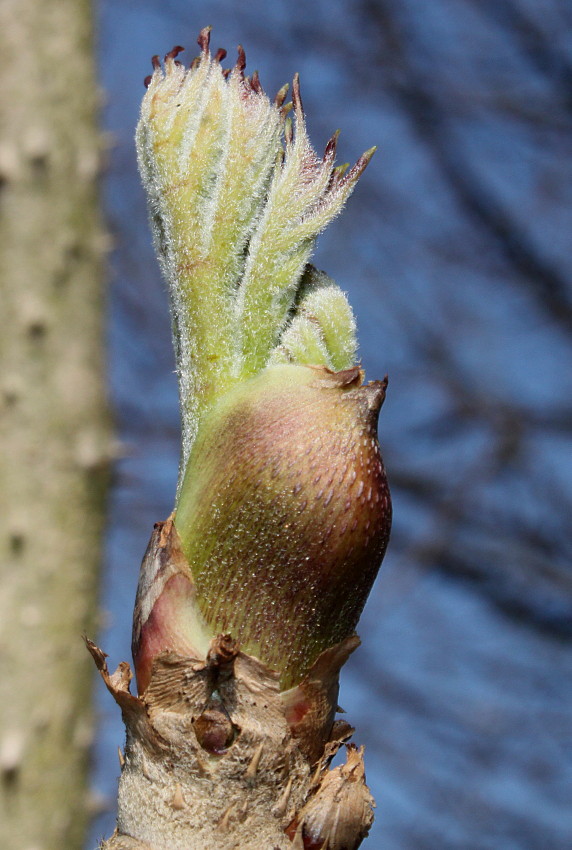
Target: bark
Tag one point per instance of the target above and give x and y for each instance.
(54, 427)
(216, 756)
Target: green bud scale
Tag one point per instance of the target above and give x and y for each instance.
(284, 513)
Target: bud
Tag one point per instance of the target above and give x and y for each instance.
(284, 513)
(339, 815)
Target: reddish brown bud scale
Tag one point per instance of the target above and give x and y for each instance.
(165, 609)
(285, 512)
(162, 629)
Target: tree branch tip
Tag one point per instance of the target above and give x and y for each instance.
(207, 708)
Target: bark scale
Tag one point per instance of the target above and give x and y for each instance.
(53, 423)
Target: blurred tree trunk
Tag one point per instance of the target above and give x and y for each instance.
(53, 422)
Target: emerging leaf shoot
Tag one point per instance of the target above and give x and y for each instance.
(237, 197)
(283, 511)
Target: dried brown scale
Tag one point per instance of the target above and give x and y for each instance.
(341, 790)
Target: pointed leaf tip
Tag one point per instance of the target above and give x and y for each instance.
(241, 59)
(357, 170)
(297, 97)
(174, 52)
(255, 83)
(281, 95)
(331, 146)
(204, 39)
(365, 159)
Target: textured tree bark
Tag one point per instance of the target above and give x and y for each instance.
(53, 424)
